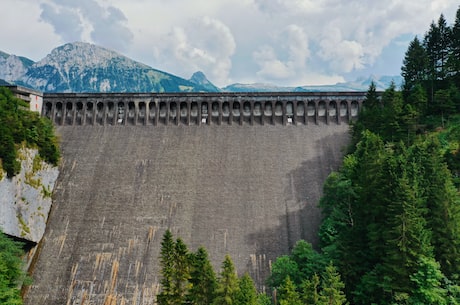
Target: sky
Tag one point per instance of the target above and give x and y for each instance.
(281, 42)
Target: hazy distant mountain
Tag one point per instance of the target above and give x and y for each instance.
(256, 87)
(361, 84)
(13, 67)
(84, 67)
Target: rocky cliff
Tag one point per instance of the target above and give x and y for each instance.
(25, 199)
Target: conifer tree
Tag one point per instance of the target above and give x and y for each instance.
(407, 236)
(202, 279)
(288, 294)
(165, 297)
(415, 64)
(247, 293)
(310, 290)
(181, 274)
(332, 288)
(453, 61)
(227, 288)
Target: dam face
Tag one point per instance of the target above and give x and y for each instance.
(248, 190)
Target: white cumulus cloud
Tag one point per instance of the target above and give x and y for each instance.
(205, 44)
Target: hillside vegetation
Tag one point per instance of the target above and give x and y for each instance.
(19, 126)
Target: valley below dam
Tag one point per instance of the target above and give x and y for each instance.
(247, 191)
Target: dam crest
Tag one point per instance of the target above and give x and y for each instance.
(202, 108)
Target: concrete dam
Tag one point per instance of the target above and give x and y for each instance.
(239, 174)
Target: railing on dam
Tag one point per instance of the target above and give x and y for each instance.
(285, 108)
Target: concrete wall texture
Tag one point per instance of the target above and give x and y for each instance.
(249, 191)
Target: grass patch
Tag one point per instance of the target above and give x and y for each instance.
(24, 227)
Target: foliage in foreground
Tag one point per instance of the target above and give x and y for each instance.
(11, 274)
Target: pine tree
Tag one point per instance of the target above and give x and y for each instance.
(202, 279)
(310, 290)
(247, 293)
(227, 284)
(288, 294)
(332, 287)
(415, 65)
(167, 253)
(406, 234)
(181, 274)
(453, 61)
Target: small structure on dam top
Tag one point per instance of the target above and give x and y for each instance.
(202, 108)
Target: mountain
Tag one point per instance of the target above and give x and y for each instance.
(200, 79)
(84, 67)
(12, 67)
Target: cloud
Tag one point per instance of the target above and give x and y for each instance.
(205, 44)
(341, 55)
(289, 60)
(65, 21)
(86, 20)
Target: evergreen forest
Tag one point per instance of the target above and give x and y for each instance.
(390, 232)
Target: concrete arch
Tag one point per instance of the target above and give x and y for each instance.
(194, 113)
(58, 113)
(268, 112)
(332, 112)
(163, 113)
(278, 113)
(184, 113)
(247, 112)
(343, 110)
(300, 112)
(110, 115)
(79, 113)
(322, 111)
(99, 113)
(47, 110)
(236, 111)
(173, 113)
(258, 113)
(354, 109)
(68, 114)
